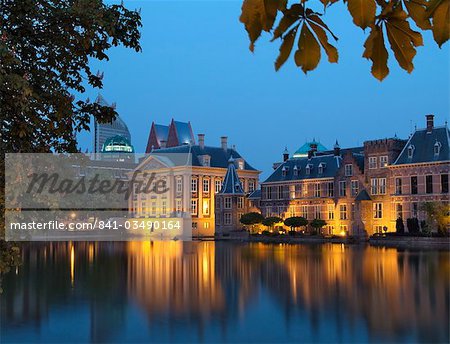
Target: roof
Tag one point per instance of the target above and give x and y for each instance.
(161, 132)
(363, 196)
(285, 172)
(219, 156)
(423, 147)
(184, 132)
(303, 150)
(255, 194)
(231, 183)
(117, 144)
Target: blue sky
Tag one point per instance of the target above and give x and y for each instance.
(196, 66)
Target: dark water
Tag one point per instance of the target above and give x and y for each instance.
(225, 292)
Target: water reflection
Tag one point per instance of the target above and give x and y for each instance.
(174, 291)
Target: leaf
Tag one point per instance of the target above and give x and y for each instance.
(320, 22)
(290, 17)
(308, 54)
(259, 15)
(331, 51)
(441, 22)
(377, 53)
(362, 11)
(286, 47)
(402, 39)
(417, 11)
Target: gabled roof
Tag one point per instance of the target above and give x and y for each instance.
(303, 150)
(219, 156)
(231, 183)
(423, 143)
(285, 172)
(363, 196)
(180, 133)
(161, 132)
(255, 194)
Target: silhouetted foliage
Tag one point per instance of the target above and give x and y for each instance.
(252, 218)
(295, 222)
(399, 225)
(317, 224)
(413, 225)
(302, 21)
(271, 221)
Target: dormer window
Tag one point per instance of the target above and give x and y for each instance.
(322, 167)
(240, 164)
(284, 171)
(295, 170)
(411, 149)
(237, 186)
(437, 148)
(309, 168)
(205, 160)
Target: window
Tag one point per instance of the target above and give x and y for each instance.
(269, 192)
(353, 208)
(437, 148)
(217, 185)
(372, 162)
(305, 190)
(378, 210)
(295, 170)
(410, 151)
(378, 229)
(354, 187)
(398, 186)
(178, 206)
(205, 207)
(330, 211)
(206, 160)
(154, 208)
(251, 186)
(206, 225)
(382, 185)
(342, 188)
(179, 185)
(194, 225)
(308, 168)
(414, 185)
(227, 219)
(194, 207)
(194, 185)
(317, 212)
(343, 211)
(444, 183)
(429, 184)
(305, 211)
(164, 208)
(206, 185)
(330, 189)
(227, 202)
(242, 184)
(284, 171)
(399, 211)
(241, 164)
(317, 190)
(374, 186)
(330, 229)
(240, 203)
(383, 161)
(344, 229)
(348, 170)
(321, 167)
(280, 192)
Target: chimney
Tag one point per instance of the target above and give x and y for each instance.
(337, 149)
(285, 154)
(163, 143)
(201, 140)
(224, 142)
(430, 123)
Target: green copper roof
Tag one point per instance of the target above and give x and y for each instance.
(117, 144)
(303, 150)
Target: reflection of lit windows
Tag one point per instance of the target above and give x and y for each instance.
(205, 207)
(194, 207)
(227, 202)
(378, 210)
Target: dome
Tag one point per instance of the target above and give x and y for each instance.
(117, 144)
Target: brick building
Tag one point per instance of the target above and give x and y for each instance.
(362, 190)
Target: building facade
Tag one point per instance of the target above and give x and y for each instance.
(362, 190)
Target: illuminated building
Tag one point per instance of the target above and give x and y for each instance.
(362, 190)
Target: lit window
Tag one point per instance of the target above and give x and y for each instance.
(383, 161)
(343, 211)
(206, 207)
(330, 211)
(378, 210)
(218, 185)
(194, 207)
(206, 225)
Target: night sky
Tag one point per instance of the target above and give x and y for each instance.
(196, 66)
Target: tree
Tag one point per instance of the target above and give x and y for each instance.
(302, 21)
(399, 225)
(46, 48)
(438, 216)
(295, 222)
(271, 221)
(413, 225)
(317, 224)
(251, 219)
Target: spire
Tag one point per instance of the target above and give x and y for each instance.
(231, 184)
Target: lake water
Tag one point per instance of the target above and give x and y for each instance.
(225, 292)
